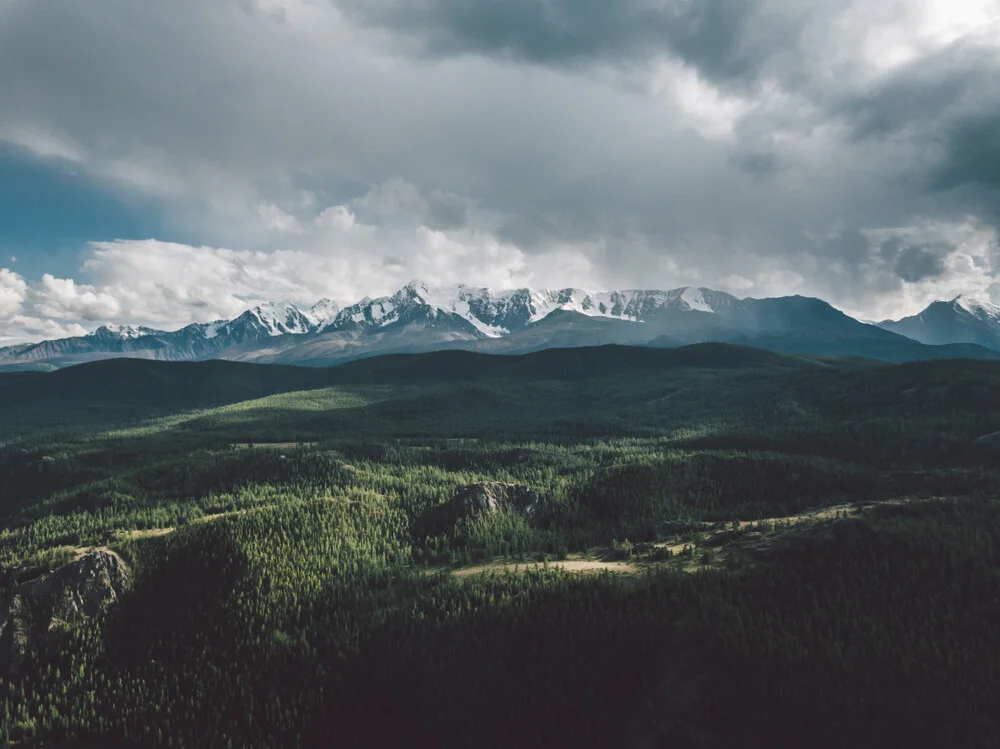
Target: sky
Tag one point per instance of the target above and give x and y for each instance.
(164, 163)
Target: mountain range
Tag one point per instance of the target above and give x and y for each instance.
(421, 317)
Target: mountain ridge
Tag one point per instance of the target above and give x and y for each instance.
(422, 317)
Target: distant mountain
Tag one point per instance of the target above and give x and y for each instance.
(195, 342)
(961, 320)
(421, 318)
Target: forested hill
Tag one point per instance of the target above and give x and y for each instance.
(607, 390)
(120, 391)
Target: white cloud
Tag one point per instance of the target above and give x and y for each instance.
(43, 143)
(277, 220)
(13, 290)
(64, 299)
(700, 104)
(894, 34)
(338, 217)
(21, 320)
(26, 329)
(737, 283)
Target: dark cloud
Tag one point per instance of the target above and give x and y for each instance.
(396, 202)
(890, 248)
(918, 262)
(971, 153)
(722, 38)
(913, 98)
(914, 264)
(947, 108)
(758, 164)
(445, 211)
(849, 247)
(528, 231)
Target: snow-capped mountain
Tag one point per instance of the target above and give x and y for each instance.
(963, 319)
(495, 314)
(981, 308)
(268, 320)
(192, 342)
(423, 317)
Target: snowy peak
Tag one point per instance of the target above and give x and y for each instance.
(964, 319)
(123, 332)
(263, 321)
(279, 319)
(491, 314)
(460, 305)
(694, 298)
(496, 313)
(978, 307)
(438, 298)
(211, 330)
(323, 313)
(636, 305)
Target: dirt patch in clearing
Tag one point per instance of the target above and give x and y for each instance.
(270, 445)
(581, 566)
(145, 533)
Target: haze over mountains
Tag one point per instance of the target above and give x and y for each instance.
(420, 317)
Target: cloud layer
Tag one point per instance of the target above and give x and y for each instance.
(848, 150)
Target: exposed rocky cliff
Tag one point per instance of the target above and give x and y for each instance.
(480, 499)
(492, 496)
(80, 590)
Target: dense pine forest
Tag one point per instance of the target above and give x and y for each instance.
(710, 546)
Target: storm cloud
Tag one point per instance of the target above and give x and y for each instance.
(340, 148)
(917, 263)
(725, 40)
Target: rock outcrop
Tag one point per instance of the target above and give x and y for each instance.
(492, 496)
(13, 634)
(480, 499)
(80, 590)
